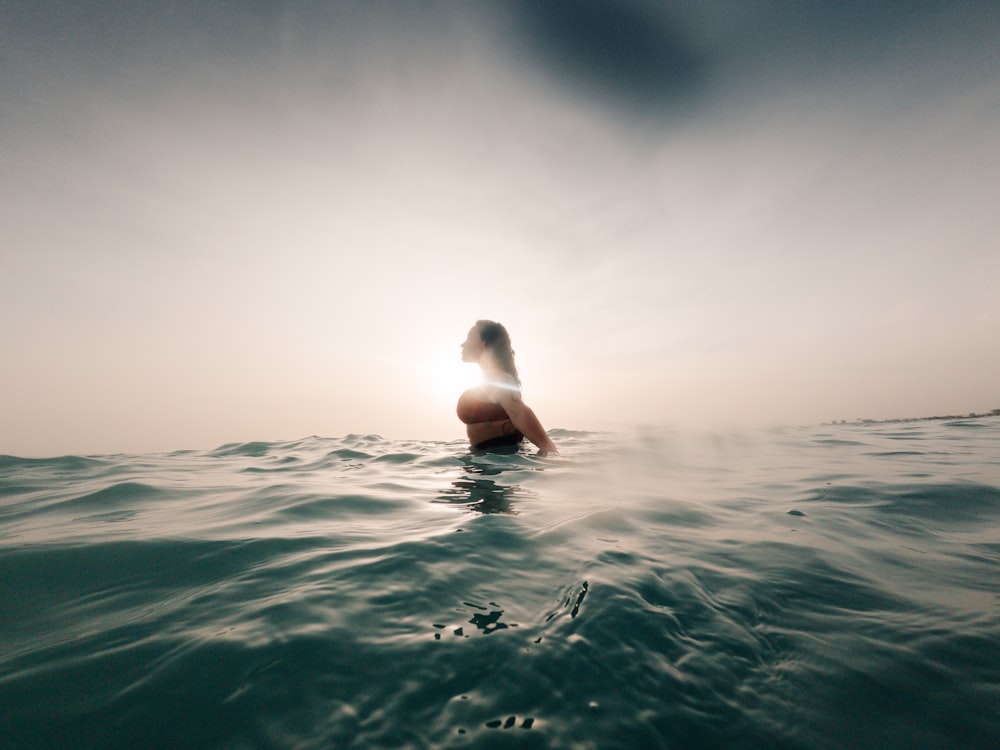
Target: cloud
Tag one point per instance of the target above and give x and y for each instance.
(628, 53)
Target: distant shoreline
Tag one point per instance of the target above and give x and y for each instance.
(970, 415)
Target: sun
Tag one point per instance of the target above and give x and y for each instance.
(448, 376)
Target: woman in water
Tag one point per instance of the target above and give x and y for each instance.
(494, 413)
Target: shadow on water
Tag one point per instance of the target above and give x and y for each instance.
(481, 490)
(480, 493)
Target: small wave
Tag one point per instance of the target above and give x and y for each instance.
(63, 463)
(254, 449)
(116, 494)
(965, 503)
(349, 454)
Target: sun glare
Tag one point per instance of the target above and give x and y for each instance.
(448, 375)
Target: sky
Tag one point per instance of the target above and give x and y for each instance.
(227, 221)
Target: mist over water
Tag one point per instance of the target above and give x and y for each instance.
(814, 587)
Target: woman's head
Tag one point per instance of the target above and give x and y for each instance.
(492, 337)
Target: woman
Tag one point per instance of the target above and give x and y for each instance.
(494, 413)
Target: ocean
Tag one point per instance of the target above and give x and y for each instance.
(809, 587)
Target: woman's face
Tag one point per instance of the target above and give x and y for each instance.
(473, 347)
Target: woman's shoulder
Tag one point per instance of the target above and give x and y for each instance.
(503, 388)
(504, 382)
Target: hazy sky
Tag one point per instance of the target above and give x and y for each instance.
(227, 223)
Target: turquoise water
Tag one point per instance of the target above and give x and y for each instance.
(816, 587)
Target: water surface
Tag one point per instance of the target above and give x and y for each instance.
(815, 587)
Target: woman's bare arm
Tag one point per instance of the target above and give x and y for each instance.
(524, 419)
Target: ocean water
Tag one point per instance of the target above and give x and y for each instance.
(814, 587)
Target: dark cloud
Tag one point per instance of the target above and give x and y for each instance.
(639, 57)
(629, 54)
(659, 57)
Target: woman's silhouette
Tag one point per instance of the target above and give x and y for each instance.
(494, 413)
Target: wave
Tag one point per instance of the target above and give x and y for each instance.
(639, 590)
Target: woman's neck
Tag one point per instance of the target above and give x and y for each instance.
(489, 367)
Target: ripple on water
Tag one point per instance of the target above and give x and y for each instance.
(645, 591)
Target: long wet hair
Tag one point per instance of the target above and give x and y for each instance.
(497, 340)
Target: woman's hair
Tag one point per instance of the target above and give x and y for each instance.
(497, 340)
